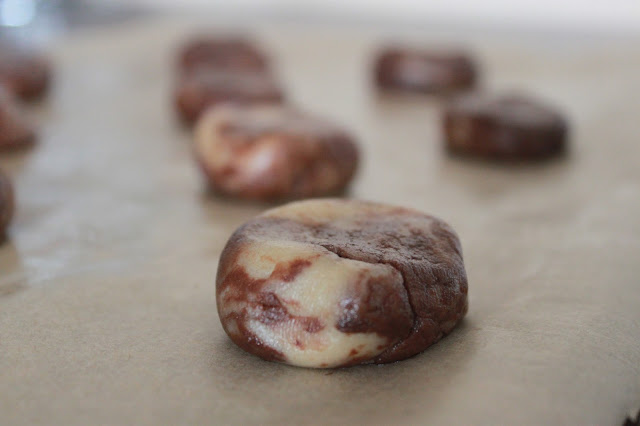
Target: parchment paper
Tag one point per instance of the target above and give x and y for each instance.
(107, 310)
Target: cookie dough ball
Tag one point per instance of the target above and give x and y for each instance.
(15, 131)
(205, 87)
(424, 71)
(24, 72)
(332, 283)
(221, 53)
(272, 153)
(6, 204)
(507, 127)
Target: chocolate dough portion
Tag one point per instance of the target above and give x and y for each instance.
(400, 287)
(221, 53)
(6, 204)
(432, 72)
(203, 88)
(15, 131)
(507, 127)
(273, 152)
(25, 73)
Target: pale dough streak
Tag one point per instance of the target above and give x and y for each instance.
(316, 292)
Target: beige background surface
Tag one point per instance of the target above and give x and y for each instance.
(107, 312)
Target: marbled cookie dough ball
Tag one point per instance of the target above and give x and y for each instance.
(509, 127)
(15, 131)
(221, 53)
(6, 204)
(203, 88)
(25, 73)
(332, 283)
(431, 72)
(272, 153)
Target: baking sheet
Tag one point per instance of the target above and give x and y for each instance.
(107, 311)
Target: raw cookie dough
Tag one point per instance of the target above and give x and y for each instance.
(205, 87)
(221, 53)
(273, 152)
(15, 131)
(25, 73)
(6, 204)
(504, 127)
(424, 71)
(332, 283)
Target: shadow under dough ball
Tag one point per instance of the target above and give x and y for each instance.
(221, 53)
(333, 283)
(205, 87)
(6, 204)
(15, 131)
(273, 153)
(510, 127)
(25, 73)
(424, 71)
